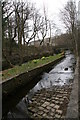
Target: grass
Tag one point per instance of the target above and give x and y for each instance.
(28, 66)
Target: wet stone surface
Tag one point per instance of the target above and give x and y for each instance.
(49, 98)
(50, 103)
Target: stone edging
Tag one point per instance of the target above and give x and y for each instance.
(72, 110)
(11, 84)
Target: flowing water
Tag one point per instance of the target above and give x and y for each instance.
(61, 74)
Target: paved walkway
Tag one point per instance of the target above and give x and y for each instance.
(50, 103)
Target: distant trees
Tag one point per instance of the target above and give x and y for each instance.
(6, 20)
(21, 23)
(44, 26)
(7, 28)
(68, 16)
(35, 25)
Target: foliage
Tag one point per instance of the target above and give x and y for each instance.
(28, 66)
(43, 58)
(35, 61)
(22, 22)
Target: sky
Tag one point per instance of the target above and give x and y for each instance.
(53, 8)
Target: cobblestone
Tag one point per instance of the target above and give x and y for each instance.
(44, 115)
(53, 110)
(57, 102)
(50, 103)
(43, 105)
(46, 103)
(48, 100)
(57, 116)
(40, 112)
(56, 106)
(46, 111)
(38, 104)
(53, 101)
(60, 96)
(61, 102)
(59, 111)
(41, 108)
(48, 108)
(61, 99)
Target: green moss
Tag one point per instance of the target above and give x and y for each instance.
(28, 66)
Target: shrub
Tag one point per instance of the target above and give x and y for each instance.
(43, 58)
(35, 61)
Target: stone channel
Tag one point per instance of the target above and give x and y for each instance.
(50, 96)
(50, 103)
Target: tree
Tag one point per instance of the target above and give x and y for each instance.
(6, 13)
(44, 26)
(35, 27)
(14, 17)
(51, 27)
(23, 14)
(36, 23)
(68, 16)
(7, 27)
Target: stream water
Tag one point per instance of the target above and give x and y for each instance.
(61, 74)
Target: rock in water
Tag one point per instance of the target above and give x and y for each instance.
(66, 69)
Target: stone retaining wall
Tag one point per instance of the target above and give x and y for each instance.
(72, 110)
(17, 81)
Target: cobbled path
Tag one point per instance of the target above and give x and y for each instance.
(50, 102)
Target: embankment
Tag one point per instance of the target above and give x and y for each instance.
(22, 79)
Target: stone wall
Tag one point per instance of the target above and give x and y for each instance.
(73, 107)
(20, 80)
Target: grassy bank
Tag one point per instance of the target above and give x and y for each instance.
(28, 66)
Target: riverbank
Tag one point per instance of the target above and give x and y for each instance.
(28, 53)
(73, 110)
(17, 81)
(50, 96)
(12, 72)
(73, 106)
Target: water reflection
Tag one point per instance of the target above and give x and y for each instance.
(57, 76)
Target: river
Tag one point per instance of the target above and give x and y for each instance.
(61, 75)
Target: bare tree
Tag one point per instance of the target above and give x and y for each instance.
(35, 27)
(51, 27)
(36, 24)
(23, 12)
(7, 27)
(6, 13)
(44, 26)
(14, 17)
(68, 16)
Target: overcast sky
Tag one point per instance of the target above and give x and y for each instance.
(53, 8)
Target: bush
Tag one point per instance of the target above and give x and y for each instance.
(35, 61)
(43, 58)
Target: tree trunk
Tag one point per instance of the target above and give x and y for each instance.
(6, 58)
